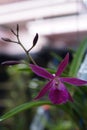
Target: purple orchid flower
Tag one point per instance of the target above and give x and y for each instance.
(58, 92)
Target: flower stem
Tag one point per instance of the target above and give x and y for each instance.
(27, 52)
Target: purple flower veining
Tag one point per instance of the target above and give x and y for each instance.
(58, 93)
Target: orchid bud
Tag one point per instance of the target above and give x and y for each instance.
(10, 63)
(35, 39)
(17, 29)
(6, 39)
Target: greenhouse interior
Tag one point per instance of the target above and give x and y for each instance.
(43, 65)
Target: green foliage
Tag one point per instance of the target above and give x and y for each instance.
(77, 59)
(21, 108)
(63, 125)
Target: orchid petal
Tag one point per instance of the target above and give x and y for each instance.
(73, 81)
(59, 95)
(62, 65)
(44, 90)
(41, 72)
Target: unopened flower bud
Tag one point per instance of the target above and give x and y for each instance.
(35, 39)
(6, 39)
(10, 63)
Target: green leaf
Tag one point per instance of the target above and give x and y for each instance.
(23, 107)
(78, 58)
